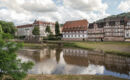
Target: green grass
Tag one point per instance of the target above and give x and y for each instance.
(118, 48)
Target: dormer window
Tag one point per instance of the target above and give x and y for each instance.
(91, 26)
(128, 23)
(112, 23)
(122, 22)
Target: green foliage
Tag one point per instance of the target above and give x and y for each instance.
(115, 16)
(9, 64)
(1, 30)
(51, 37)
(7, 36)
(8, 27)
(48, 29)
(36, 31)
(57, 30)
(32, 79)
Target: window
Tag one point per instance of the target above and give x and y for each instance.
(81, 36)
(122, 22)
(112, 23)
(128, 23)
(91, 26)
(127, 34)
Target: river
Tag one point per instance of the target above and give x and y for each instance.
(75, 61)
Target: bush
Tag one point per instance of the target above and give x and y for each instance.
(52, 37)
(9, 64)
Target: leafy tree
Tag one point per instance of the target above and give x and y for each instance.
(9, 64)
(57, 30)
(48, 29)
(1, 31)
(36, 31)
(8, 27)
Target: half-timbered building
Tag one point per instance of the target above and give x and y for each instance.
(114, 29)
(127, 30)
(96, 31)
(75, 30)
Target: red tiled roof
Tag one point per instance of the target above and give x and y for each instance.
(35, 22)
(79, 25)
(43, 22)
(23, 26)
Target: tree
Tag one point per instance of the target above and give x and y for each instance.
(8, 27)
(36, 31)
(48, 29)
(1, 31)
(57, 31)
(9, 64)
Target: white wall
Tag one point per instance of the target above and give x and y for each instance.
(80, 34)
(27, 31)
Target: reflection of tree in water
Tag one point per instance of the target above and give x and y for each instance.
(58, 51)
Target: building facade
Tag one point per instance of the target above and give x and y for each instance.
(96, 31)
(127, 31)
(26, 30)
(114, 29)
(75, 30)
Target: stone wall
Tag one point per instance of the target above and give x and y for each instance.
(114, 39)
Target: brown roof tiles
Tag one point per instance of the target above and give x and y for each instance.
(79, 25)
(24, 26)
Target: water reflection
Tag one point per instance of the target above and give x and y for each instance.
(75, 61)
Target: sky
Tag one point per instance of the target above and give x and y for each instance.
(26, 11)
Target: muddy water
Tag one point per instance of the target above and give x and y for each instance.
(75, 61)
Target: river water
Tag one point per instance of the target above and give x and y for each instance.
(75, 61)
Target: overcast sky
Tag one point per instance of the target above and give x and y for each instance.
(26, 11)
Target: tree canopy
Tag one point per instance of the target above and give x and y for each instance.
(9, 64)
(8, 27)
(48, 29)
(57, 30)
(1, 30)
(36, 31)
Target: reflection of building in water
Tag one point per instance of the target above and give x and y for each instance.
(75, 57)
(38, 55)
(111, 62)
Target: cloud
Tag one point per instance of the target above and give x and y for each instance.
(124, 6)
(26, 11)
(39, 5)
(86, 5)
(13, 16)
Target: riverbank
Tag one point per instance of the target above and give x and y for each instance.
(71, 77)
(118, 48)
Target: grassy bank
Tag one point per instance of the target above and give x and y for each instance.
(71, 77)
(118, 48)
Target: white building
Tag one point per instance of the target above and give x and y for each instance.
(26, 30)
(75, 30)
